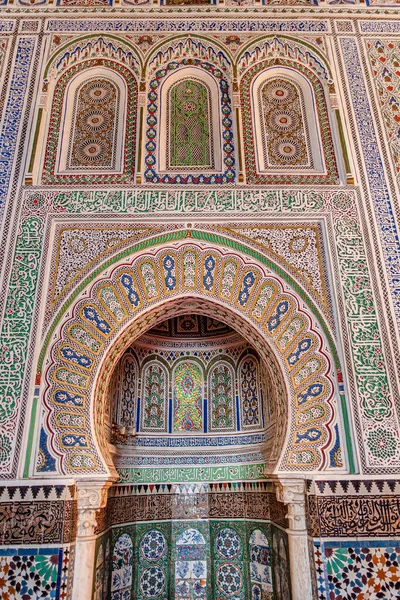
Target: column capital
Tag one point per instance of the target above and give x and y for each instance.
(91, 496)
(292, 493)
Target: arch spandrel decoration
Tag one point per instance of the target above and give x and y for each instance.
(304, 365)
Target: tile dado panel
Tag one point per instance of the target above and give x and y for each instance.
(357, 570)
(195, 559)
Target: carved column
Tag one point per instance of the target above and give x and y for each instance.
(292, 493)
(92, 496)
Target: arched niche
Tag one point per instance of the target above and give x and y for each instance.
(220, 166)
(90, 129)
(318, 164)
(135, 293)
(286, 128)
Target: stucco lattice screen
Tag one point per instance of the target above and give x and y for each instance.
(189, 129)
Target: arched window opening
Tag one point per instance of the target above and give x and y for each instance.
(249, 390)
(190, 136)
(155, 402)
(93, 117)
(93, 137)
(287, 128)
(287, 134)
(221, 389)
(125, 388)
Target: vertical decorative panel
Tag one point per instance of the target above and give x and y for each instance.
(122, 561)
(280, 564)
(249, 386)
(154, 398)
(189, 125)
(229, 571)
(221, 386)
(190, 565)
(152, 561)
(188, 397)
(260, 566)
(284, 126)
(92, 144)
(99, 574)
(127, 393)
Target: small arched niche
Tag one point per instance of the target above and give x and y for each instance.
(184, 383)
(286, 132)
(93, 121)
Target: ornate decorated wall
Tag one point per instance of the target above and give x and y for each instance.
(199, 337)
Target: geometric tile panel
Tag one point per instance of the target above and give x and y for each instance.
(360, 571)
(34, 573)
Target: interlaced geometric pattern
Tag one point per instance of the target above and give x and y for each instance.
(284, 126)
(92, 142)
(189, 131)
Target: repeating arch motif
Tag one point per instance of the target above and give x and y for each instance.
(265, 312)
(87, 47)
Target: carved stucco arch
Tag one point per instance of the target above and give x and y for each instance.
(312, 411)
